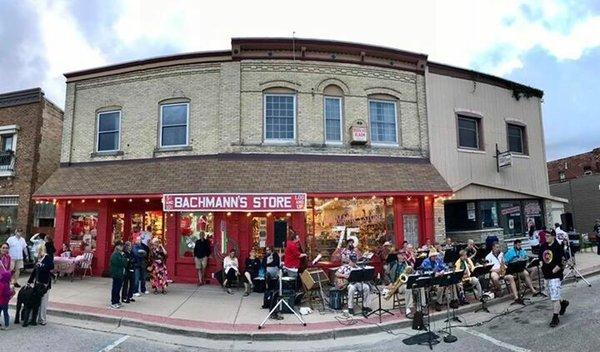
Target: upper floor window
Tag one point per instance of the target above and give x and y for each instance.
(333, 119)
(382, 116)
(7, 143)
(280, 117)
(174, 120)
(109, 130)
(517, 141)
(469, 132)
(562, 176)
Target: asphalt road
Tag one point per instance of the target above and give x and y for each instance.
(523, 329)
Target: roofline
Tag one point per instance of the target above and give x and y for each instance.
(25, 96)
(591, 152)
(458, 72)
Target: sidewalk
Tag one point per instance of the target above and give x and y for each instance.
(208, 311)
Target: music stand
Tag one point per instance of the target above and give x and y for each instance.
(429, 337)
(478, 272)
(448, 280)
(419, 261)
(535, 263)
(451, 256)
(362, 275)
(515, 269)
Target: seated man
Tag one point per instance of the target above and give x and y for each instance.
(342, 275)
(401, 267)
(498, 272)
(434, 264)
(465, 263)
(518, 253)
(471, 250)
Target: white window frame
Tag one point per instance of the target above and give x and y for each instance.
(278, 140)
(187, 126)
(13, 130)
(341, 105)
(98, 132)
(383, 144)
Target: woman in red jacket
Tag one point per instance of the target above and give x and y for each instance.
(291, 261)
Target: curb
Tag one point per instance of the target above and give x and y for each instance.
(359, 328)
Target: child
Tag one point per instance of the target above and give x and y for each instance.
(6, 293)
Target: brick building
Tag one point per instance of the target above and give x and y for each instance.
(30, 132)
(577, 178)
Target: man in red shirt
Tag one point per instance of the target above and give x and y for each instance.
(291, 261)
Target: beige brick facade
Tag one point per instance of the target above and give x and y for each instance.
(226, 107)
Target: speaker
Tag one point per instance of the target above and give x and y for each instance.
(280, 233)
(567, 221)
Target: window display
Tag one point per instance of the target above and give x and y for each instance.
(510, 218)
(259, 232)
(367, 215)
(190, 227)
(118, 225)
(154, 219)
(83, 229)
(8, 218)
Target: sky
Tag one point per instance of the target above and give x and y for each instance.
(552, 45)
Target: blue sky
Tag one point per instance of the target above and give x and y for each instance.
(553, 45)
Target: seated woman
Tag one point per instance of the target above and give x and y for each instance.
(252, 266)
(65, 252)
(271, 263)
(230, 269)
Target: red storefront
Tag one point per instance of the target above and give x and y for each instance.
(384, 199)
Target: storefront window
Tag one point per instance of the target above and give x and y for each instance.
(83, 229)
(488, 214)
(510, 218)
(533, 215)
(460, 216)
(118, 225)
(365, 216)
(149, 219)
(259, 232)
(8, 220)
(190, 227)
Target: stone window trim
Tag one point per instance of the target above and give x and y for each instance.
(458, 113)
(385, 98)
(173, 102)
(340, 99)
(321, 86)
(286, 92)
(11, 130)
(165, 150)
(99, 112)
(524, 136)
(107, 153)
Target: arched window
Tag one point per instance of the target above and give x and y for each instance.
(333, 103)
(280, 115)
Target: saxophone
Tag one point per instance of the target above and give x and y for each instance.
(401, 280)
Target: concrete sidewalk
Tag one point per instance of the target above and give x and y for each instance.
(208, 311)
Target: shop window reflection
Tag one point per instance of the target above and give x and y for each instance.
(190, 227)
(83, 230)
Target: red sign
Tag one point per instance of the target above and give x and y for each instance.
(242, 202)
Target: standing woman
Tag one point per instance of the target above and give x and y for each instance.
(42, 274)
(158, 267)
(117, 272)
(4, 258)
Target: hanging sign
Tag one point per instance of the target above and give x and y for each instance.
(504, 159)
(242, 202)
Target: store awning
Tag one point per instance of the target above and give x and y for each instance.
(251, 173)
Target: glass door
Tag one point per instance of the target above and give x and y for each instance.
(411, 229)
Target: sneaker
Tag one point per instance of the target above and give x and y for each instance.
(246, 294)
(554, 322)
(229, 291)
(437, 307)
(563, 307)
(147, 292)
(137, 294)
(131, 300)
(114, 306)
(126, 301)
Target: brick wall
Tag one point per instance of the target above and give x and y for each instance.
(226, 107)
(584, 200)
(574, 166)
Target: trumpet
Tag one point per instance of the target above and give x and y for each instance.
(401, 280)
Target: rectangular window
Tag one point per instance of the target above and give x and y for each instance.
(382, 115)
(516, 139)
(333, 119)
(174, 119)
(109, 130)
(469, 132)
(7, 142)
(280, 117)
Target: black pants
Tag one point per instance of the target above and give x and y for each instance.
(598, 243)
(128, 286)
(230, 275)
(117, 284)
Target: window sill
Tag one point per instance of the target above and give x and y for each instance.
(334, 144)
(101, 154)
(522, 156)
(186, 148)
(280, 142)
(473, 151)
(385, 145)
(7, 173)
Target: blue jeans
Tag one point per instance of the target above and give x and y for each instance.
(117, 284)
(4, 309)
(140, 280)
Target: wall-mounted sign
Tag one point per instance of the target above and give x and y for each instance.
(242, 202)
(358, 133)
(504, 159)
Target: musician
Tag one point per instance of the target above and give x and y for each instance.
(498, 272)
(448, 245)
(409, 255)
(551, 255)
(350, 252)
(465, 263)
(271, 263)
(342, 275)
(427, 246)
(387, 259)
(399, 268)
(471, 250)
(518, 253)
(434, 264)
(291, 260)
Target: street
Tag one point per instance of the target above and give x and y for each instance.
(524, 329)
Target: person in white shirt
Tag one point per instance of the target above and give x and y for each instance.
(146, 236)
(496, 257)
(230, 269)
(17, 246)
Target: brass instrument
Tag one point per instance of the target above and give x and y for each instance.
(401, 280)
(502, 269)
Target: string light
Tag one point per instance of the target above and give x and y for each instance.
(68, 202)
(228, 213)
(408, 198)
(83, 201)
(269, 214)
(373, 197)
(98, 200)
(147, 200)
(114, 200)
(288, 214)
(336, 199)
(249, 214)
(130, 200)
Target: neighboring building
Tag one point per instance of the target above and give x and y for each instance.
(30, 141)
(472, 116)
(577, 178)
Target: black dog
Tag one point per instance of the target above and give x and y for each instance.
(29, 298)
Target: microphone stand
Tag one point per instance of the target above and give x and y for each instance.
(279, 305)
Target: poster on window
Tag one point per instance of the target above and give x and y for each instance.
(83, 230)
(533, 209)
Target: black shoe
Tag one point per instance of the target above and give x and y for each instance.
(366, 310)
(17, 285)
(554, 322)
(33, 324)
(454, 304)
(351, 311)
(131, 300)
(464, 303)
(437, 307)
(563, 307)
(125, 301)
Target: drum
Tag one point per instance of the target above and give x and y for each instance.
(259, 284)
(288, 283)
(335, 298)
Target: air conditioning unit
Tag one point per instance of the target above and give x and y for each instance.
(358, 133)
